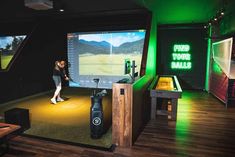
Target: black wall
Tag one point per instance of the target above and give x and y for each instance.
(32, 70)
(195, 36)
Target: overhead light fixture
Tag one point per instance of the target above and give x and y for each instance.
(216, 18)
(61, 10)
(39, 4)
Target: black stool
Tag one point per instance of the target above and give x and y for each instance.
(18, 116)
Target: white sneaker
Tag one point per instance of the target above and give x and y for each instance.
(60, 99)
(53, 101)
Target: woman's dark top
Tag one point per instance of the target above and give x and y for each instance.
(59, 72)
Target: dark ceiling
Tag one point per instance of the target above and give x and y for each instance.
(15, 9)
(166, 11)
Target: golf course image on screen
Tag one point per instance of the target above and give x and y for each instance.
(8, 48)
(102, 55)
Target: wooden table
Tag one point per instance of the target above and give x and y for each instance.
(165, 86)
(7, 131)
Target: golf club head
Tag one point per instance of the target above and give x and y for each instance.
(102, 93)
(96, 80)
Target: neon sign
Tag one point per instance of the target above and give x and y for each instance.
(181, 57)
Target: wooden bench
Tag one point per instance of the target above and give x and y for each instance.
(7, 131)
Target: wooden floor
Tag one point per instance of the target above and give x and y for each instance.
(204, 128)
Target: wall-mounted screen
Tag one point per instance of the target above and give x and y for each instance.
(8, 48)
(102, 55)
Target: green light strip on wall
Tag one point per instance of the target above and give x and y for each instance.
(208, 60)
(152, 51)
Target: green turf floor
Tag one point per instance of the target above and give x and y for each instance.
(66, 121)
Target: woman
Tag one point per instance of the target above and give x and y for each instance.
(58, 73)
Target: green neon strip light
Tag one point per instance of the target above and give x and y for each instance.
(151, 64)
(208, 60)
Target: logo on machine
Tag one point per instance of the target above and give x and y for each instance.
(96, 121)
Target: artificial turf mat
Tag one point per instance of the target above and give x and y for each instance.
(66, 121)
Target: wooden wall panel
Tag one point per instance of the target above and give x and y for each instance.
(131, 111)
(141, 106)
(122, 115)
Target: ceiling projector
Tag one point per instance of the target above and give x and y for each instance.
(39, 4)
